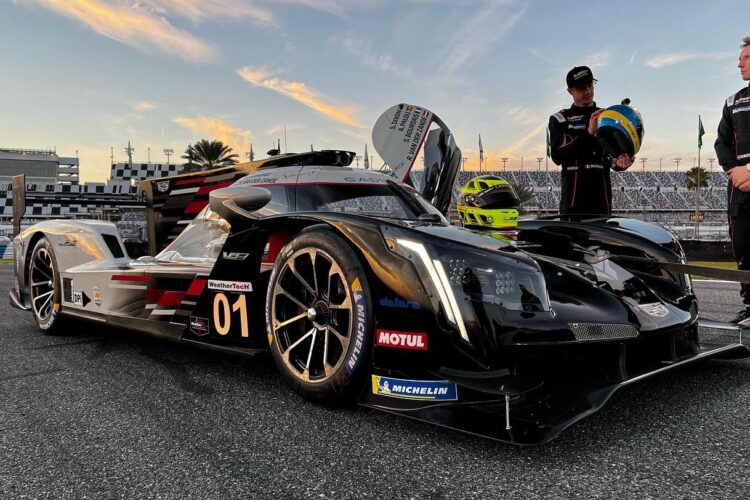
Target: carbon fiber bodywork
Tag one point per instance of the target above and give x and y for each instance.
(513, 340)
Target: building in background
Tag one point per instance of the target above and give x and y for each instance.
(41, 166)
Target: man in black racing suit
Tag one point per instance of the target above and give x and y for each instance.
(586, 184)
(733, 151)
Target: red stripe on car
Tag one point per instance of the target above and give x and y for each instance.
(211, 187)
(195, 206)
(129, 277)
(196, 287)
(171, 298)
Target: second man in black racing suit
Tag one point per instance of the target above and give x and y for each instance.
(733, 151)
(586, 184)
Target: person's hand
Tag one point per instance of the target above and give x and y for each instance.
(740, 177)
(592, 121)
(625, 161)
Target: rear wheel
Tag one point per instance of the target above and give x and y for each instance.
(318, 316)
(45, 288)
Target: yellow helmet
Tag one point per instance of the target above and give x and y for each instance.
(487, 201)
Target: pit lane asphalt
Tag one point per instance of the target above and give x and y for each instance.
(101, 414)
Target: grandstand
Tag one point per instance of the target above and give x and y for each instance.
(659, 197)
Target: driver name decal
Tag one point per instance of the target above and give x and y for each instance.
(360, 326)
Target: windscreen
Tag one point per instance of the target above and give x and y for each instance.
(200, 242)
(378, 200)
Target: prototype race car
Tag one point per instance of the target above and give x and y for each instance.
(363, 292)
(487, 201)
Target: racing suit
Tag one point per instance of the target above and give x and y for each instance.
(586, 185)
(733, 150)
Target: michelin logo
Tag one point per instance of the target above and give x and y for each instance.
(360, 328)
(428, 390)
(230, 286)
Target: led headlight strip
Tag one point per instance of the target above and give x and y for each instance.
(440, 279)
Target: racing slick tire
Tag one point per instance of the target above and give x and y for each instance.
(318, 317)
(45, 287)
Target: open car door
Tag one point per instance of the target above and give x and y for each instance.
(401, 133)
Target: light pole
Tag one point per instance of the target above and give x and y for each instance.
(643, 164)
(660, 164)
(504, 160)
(677, 163)
(539, 161)
(711, 164)
(357, 158)
(522, 164)
(168, 152)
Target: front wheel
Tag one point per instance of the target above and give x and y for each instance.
(45, 288)
(318, 314)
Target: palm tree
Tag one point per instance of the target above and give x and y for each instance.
(525, 193)
(696, 177)
(207, 155)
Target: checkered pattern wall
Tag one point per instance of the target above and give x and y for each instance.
(141, 171)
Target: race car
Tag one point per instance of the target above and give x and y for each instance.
(487, 201)
(363, 293)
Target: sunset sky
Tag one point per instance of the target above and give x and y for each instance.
(87, 75)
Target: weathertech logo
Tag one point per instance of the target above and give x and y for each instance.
(402, 340)
(230, 286)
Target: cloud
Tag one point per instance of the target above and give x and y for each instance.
(132, 26)
(354, 45)
(215, 129)
(597, 59)
(671, 59)
(141, 106)
(536, 133)
(279, 129)
(303, 94)
(472, 39)
(201, 10)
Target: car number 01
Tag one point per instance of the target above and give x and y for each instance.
(222, 316)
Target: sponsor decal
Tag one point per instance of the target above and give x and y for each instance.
(230, 286)
(199, 325)
(432, 390)
(656, 309)
(399, 303)
(740, 110)
(360, 326)
(577, 127)
(162, 186)
(97, 296)
(575, 118)
(78, 298)
(234, 255)
(401, 340)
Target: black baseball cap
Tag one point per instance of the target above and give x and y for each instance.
(580, 77)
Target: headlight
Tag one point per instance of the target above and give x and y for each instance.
(494, 279)
(464, 278)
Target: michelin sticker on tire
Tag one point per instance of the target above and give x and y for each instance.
(360, 326)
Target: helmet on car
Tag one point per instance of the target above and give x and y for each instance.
(487, 201)
(620, 129)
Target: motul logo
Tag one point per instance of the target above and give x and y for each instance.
(402, 340)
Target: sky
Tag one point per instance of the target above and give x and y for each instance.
(91, 75)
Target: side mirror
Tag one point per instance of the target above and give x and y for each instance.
(233, 203)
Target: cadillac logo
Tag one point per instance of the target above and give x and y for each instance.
(656, 309)
(162, 186)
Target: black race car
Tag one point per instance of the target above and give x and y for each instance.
(363, 292)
